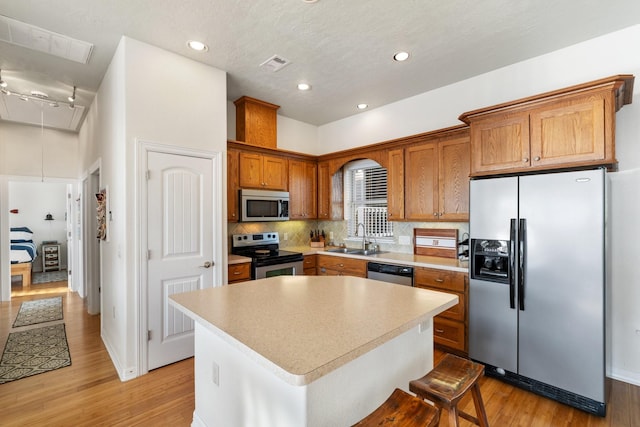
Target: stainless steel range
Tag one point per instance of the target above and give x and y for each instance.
(267, 259)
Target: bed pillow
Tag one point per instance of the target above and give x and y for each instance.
(20, 234)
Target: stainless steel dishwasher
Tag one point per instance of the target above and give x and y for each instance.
(400, 274)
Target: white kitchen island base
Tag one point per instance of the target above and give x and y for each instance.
(247, 394)
(304, 351)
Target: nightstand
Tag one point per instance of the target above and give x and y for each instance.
(50, 257)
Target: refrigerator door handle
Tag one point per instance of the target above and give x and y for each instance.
(522, 259)
(512, 262)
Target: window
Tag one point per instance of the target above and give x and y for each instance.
(365, 196)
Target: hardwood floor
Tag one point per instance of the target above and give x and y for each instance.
(89, 392)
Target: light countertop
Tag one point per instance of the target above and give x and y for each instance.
(303, 327)
(238, 259)
(452, 264)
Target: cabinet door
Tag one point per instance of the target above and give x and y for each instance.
(324, 190)
(395, 185)
(568, 131)
(251, 170)
(274, 173)
(233, 184)
(421, 186)
(500, 142)
(302, 190)
(454, 171)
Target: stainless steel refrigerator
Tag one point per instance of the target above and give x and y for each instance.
(537, 283)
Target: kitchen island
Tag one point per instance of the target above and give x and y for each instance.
(306, 350)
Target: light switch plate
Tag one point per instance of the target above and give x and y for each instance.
(404, 240)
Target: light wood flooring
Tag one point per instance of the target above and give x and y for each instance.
(89, 392)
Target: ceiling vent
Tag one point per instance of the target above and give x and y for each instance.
(32, 37)
(275, 63)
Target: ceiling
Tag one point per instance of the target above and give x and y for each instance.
(343, 48)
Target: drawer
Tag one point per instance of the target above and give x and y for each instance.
(48, 249)
(239, 272)
(347, 266)
(51, 263)
(310, 261)
(51, 256)
(449, 333)
(443, 279)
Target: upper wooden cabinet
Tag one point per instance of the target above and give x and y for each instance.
(256, 122)
(395, 184)
(263, 171)
(435, 181)
(233, 185)
(302, 189)
(330, 196)
(569, 128)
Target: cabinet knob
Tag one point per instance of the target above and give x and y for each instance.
(525, 160)
(536, 158)
(438, 280)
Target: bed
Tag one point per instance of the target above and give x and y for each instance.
(23, 252)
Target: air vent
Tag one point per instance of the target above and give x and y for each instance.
(32, 37)
(275, 63)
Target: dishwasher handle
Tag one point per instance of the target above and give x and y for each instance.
(395, 270)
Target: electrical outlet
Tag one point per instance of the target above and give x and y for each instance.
(215, 373)
(404, 240)
(331, 236)
(285, 236)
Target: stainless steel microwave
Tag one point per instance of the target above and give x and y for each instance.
(264, 205)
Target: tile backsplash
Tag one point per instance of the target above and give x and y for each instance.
(297, 232)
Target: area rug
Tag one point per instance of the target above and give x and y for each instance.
(49, 276)
(39, 311)
(33, 352)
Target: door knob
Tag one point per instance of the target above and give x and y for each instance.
(207, 264)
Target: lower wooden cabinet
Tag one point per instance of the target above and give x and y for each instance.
(329, 265)
(310, 263)
(239, 272)
(450, 328)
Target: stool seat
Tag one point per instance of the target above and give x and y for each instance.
(402, 409)
(448, 382)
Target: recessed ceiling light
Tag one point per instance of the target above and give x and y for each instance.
(309, 1)
(304, 86)
(198, 46)
(362, 106)
(401, 56)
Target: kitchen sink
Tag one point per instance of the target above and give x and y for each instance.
(354, 251)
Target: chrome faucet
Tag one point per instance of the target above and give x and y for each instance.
(364, 235)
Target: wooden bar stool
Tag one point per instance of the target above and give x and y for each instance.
(402, 409)
(448, 382)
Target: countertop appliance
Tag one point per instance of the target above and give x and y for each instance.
(267, 259)
(391, 273)
(537, 283)
(263, 205)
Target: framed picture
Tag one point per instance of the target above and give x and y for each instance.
(101, 214)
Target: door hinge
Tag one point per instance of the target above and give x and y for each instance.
(148, 175)
(148, 254)
(149, 335)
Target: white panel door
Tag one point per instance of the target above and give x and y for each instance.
(180, 243)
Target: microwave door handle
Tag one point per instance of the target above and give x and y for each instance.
(512, 262)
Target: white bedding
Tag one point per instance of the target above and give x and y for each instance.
(20, 256)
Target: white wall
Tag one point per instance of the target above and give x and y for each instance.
(34, 200)
(31, 151)
(133, 104)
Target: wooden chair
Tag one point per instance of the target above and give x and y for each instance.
(448, 382)
(402, 409)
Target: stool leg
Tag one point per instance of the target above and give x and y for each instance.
(477, 402)
(453, 416)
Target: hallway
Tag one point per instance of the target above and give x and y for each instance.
(89, 391)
